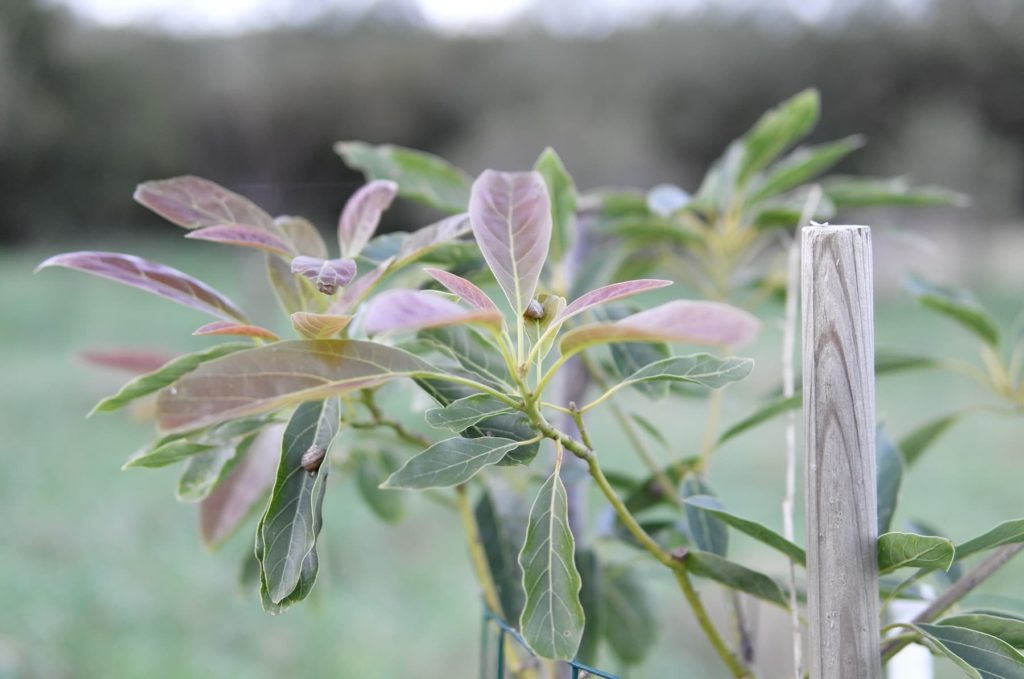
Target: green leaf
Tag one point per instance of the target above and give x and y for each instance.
(887, 362)
(1008, 532)
(502, 516)
(735, 576)
(450, 462)
(628, 622)
(902, 550)
(1000, 625)
(465, 412)
(288, 531)
(959, 306)
(552, 620)
(707, 531)
(777, 130)
(755, 530)
(914, 444)
(470, 350)
(803, 164)
(166, 452)
(980, 655)
(706, 370)
(281, 374)
(762, 414)
(291, 291)
(371, 471)
(144, 385)
(205, 470)
(849, 192)
(889, 466)
(590, 598)
(422, 177)
(563, 201)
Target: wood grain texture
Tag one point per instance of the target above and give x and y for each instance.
(839, 440)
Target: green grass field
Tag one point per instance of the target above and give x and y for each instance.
(102, 573)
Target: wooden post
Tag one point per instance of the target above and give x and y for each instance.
(839, 442)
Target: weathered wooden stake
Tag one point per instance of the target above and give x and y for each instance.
(839, 442)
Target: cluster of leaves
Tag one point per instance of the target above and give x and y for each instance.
(484, 331)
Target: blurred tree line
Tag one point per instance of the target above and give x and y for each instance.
(86, 113)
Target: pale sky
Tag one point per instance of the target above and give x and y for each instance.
(452, 16)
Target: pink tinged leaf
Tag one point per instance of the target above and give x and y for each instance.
(236, 329)
(274, 376)
(193, 202)
(417, 309)
(221, 512)
(610, 293)
(362, 213)
(319, 326)
(165, 281)
(510, 214)
(304, 237)
(135, 361)
(466, 290)
(428, 238)
(326, 274)
(694, 322)
(360, 288)
(245, 236)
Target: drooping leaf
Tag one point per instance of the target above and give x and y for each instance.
(244, 236)
(590, 598)
(193, 202)
(889, 474)
(851, 192)
(628, 621)
(951, 574)
(510, 214)
(762, 414)
(243, 489)
(562, 191)
(736, 577)
(758, 531)
(502, 516)
(466, 290)
(396, 310)
(371, 471)
(266, 378)
(305, 238)
(609, 293)
(708, 532)
(914, 444)
(1000, 625)
(959, 306)
(168, 374)
(1006, 533)
(319, 326)
(135, 361)
(235, 329)
(205, 470)
(777, 130)
(288, 288)
(166, 452)
(420, 176)
(450, 462)
(326, 274)
(706, 370)
(158, 279)
(980, 655)
(361, 215)
(470, 350)
(465, 412)
(901, 550)
(801, 165)
(710, 323)
(553, 619)
(291, 523)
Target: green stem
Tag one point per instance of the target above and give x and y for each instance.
(736, 668)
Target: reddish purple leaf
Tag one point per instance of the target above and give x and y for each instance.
(319, 326)
(193, 202)
(362, 213)
(326, 274)
(469, 292)
(165, 281)
(609, 293)
(510, 213)
(236, 329)
(246, 236)
(707, 323)
(428, 238)
(304, 237)
(135, 361)
(223, 510)
(277, 375)
(418, 309)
